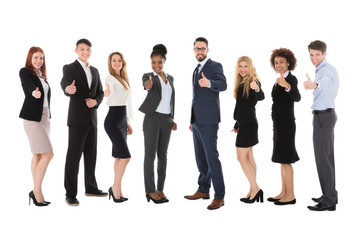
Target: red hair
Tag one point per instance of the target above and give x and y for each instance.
(29, 65)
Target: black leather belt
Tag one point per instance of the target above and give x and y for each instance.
(323, 111)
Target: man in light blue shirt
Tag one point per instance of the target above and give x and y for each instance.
(325, 88)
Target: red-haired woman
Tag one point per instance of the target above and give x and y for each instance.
(36, 114)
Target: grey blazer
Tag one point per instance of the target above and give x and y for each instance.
(153, 97)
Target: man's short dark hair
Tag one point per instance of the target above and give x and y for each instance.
(85, 41)
(317, 45)
(201, 39)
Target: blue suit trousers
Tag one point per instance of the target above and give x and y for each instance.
(207, 159)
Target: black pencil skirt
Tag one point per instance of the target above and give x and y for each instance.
(284, 150)
(116, 128)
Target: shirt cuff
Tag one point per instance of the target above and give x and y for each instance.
(209, 84)
(289, 89)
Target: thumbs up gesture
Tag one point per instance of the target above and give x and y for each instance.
(253, 85)
(309, 85)
(149, 83)
(282, 82)
(36, 93)
(71, 89)
(107, 91)
(204, 82)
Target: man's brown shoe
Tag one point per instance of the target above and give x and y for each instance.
(198, 195)
(216, 203)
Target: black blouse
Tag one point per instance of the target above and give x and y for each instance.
(245, 106)
(283, 101)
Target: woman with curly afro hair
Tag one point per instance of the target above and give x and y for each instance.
(284, 94)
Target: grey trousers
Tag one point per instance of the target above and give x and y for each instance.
(157, 131)
(323, 137)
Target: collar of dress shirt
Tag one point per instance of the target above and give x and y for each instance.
(286, 73)
(83, 64)
(202, 63)
(155, 74)
(320, 65)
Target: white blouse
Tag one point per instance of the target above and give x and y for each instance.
(119, 96)
(166, 93)
(46, 92)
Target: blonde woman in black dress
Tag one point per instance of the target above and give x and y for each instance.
(247, 92)
(284, 94)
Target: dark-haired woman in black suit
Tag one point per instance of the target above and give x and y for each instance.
(158, 107)
(36, 114)
(284, 94)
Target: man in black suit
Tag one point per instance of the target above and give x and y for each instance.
(81, 82)
(208, 81)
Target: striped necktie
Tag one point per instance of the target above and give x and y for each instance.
(196, 73)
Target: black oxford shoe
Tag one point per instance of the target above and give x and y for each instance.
(322, 207)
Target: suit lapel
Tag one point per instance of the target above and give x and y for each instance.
(207, 64)
(158, 83)
(93, 82)
(82, 73)
(38, 83)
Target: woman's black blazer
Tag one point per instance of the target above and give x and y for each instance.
(32, 108)
(283, 102)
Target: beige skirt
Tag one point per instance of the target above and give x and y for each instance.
(39, 133)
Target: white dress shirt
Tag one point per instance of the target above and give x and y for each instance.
(166, 93)
(87, 72)
(119, 96)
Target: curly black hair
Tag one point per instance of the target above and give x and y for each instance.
(285, 53)
(159, 50)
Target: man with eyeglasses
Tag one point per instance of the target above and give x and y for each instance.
(208, 80)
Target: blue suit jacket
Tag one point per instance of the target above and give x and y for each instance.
(205, 107)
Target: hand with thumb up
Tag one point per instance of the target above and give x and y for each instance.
(149, 83)
(36, 93)
(71, 89)
(282, 81)
(309, 85)
(204, 82)
(107, 91)
(254, 85)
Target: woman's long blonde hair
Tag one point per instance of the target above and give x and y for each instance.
(123, 78)
(247, 79)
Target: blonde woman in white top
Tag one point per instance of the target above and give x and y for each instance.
(117, 123)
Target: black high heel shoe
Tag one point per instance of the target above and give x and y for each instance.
(32, 196)
(117, 200)
(148, 197)
(258, 197)
(243, 199)
(165, 199)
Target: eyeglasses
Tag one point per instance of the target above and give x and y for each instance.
(203, 49)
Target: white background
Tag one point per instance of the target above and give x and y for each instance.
(233, 28)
